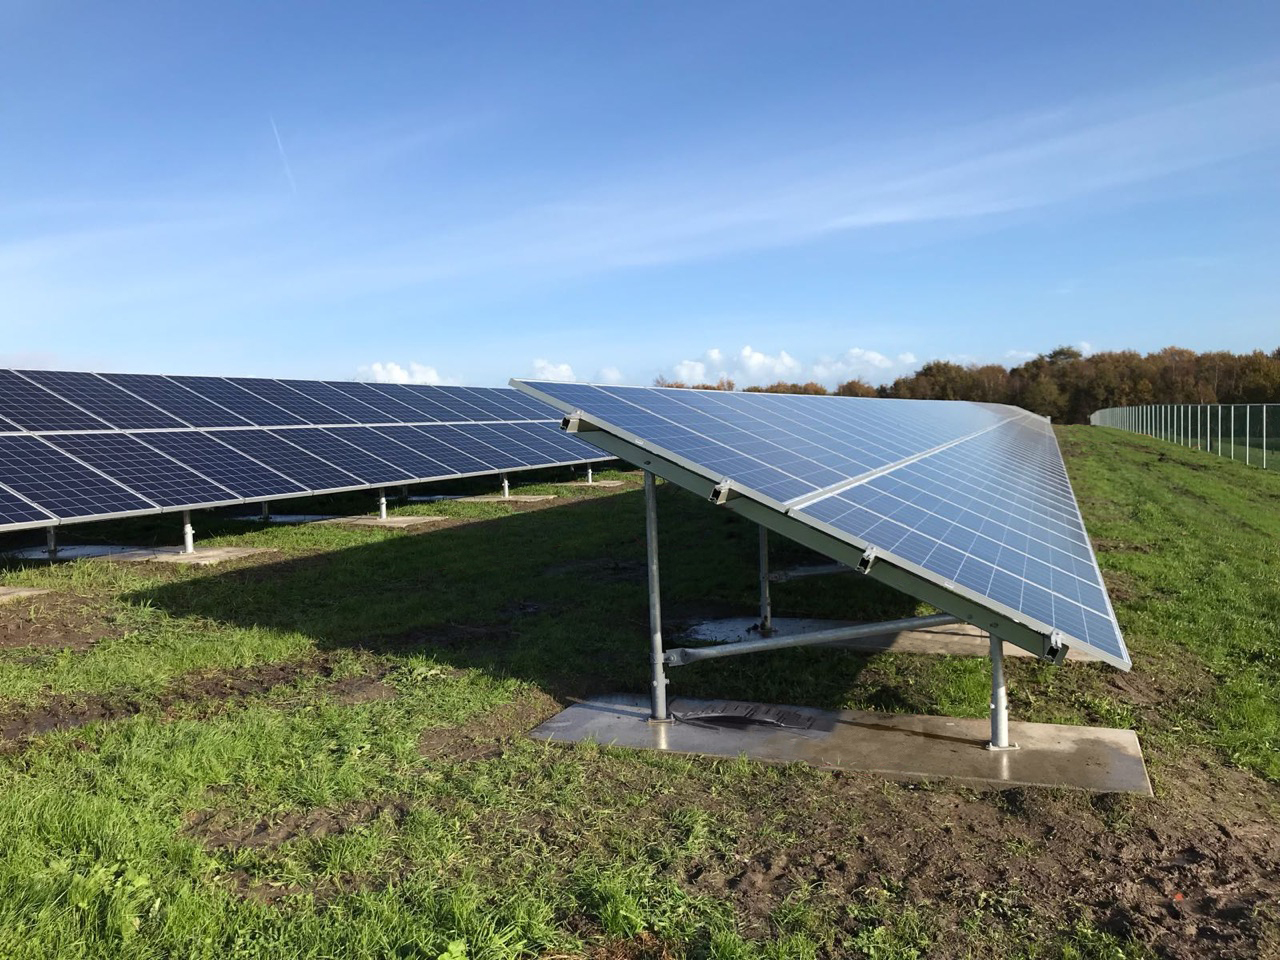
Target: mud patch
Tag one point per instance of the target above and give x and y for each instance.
(1105, 545)
(1122, 587)
(216, 688)
(220, 829)
(488, 736)
(56, 621)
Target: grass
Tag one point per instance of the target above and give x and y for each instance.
(294, 819)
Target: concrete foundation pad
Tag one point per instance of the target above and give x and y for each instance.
(17, 593)
(958, 640)
(514, 498)
(896, 747)
(391, 523)
(203, 557)
(434, 498)
(607, 484)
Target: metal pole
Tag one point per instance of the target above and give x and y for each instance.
(1219, 429)
(1233, 431)
(506, 489)
(51, 542)
(266, 510)
(766, 604)
(999, 700)
(1248, 435)
(382, 504)
(1264, 436)
(188, 534)
(590, 478)
(658, 694)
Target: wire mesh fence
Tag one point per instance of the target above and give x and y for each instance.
(1249, 432)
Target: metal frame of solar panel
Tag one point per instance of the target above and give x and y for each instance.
(77, 447)
(966, 506)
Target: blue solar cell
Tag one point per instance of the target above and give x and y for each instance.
(433, 401)
(328, 446)
(430, 451)
(358, 411)
(217, 461)
(306, 408)
(176, 400)
(16, 512)
(138, 467)
(382, 444)
(35, 408)
(58, 484)
(974, 494)
(383, 397)
(288, 459)
(103, 399)
(455, 449)
(250, 406)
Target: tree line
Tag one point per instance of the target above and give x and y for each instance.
(1066, 385)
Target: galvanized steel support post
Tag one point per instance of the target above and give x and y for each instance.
(51, 542)
(188, 534)
(766, 603)
(658, 695)
(999, 700)
(506, 488)
(590, 478)
(266, 510)
(382, 504)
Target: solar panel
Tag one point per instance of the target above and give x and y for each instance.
(250, 406)
(970, 498)
(328, 445)
(58, 484)
(118, 444)
(32, 407)
(152, 474)
(304, 407)
(203, 453)
(18, 513)
(103, 399)
(176, 400)
(294, 462)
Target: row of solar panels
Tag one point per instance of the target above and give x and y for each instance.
(972, 497)
(81, 452)
(62, 401)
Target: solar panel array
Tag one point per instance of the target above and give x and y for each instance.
(84, 446)
(974, 497)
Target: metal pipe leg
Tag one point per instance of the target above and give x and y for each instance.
(999, 700)
(382, 504)
(659, 713)
(766, 603)
(590, 479)
(506, 489)
(266, 510)
(188, 533)
(51, 542)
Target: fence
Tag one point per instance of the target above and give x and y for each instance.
(1241, 431)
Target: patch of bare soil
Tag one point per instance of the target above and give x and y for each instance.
(1106, 545)
(55, 621)
(1191, 874)
(488, 736)
(219, 828)
(217, 687)
(1122, 587)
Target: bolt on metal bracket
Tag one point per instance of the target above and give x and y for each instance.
(868, 558)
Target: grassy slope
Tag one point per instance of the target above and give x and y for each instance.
(538, 850)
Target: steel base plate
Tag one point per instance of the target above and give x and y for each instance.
(898, 747)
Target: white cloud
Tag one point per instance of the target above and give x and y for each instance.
(1018, 356)
(906, 359)
(394, 373)
(756, 364)
(691, 371)
(546, 370)
(870, 365)
(1085, 347)
(610, 375)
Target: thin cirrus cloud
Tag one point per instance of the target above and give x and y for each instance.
(264, 252)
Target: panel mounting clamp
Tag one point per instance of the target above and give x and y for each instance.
(574, 423)
(869, 557)
(723, 492)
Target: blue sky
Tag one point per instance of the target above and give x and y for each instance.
(612, 191)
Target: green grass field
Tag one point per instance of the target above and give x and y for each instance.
(320, 753)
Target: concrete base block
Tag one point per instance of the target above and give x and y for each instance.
(287, 518)
(203, 557)
(604, 484)
(958, 640)
(17, 593)
(896, 747)
(391, 523)
(514, 498)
